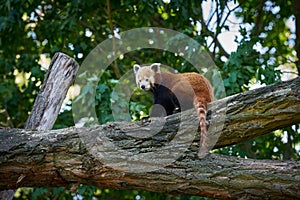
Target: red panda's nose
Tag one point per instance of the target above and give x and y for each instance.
(143, 87)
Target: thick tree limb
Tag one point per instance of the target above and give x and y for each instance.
(260, 111)
(60, 76)
(99, 155)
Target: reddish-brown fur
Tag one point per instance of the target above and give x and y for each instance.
(191, 90)
(201, 95)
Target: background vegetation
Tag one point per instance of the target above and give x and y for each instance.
(32, 31)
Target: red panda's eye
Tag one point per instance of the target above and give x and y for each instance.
(147, 79)
(140, 80)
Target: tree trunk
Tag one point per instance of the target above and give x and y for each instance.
(126, 155)
(61, 75)
(296, 6)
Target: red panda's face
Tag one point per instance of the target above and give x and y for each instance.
(145, 77)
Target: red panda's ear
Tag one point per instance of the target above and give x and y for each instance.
(136, 68)
(155, 67)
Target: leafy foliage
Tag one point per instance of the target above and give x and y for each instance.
(34, 30)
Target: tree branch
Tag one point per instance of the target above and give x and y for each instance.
(116, 155)
(115, 64)
(206, 32)
(296, 6)
(60, 76)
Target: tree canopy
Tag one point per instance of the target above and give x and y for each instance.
(265, 49)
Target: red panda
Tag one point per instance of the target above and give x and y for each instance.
(177, 91)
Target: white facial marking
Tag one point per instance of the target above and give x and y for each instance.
(145, 77)
(145, 83)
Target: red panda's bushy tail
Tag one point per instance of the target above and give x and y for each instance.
(201, 112)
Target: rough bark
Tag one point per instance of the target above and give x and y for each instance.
(296, 6)
(60, 76)
(123, 155)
